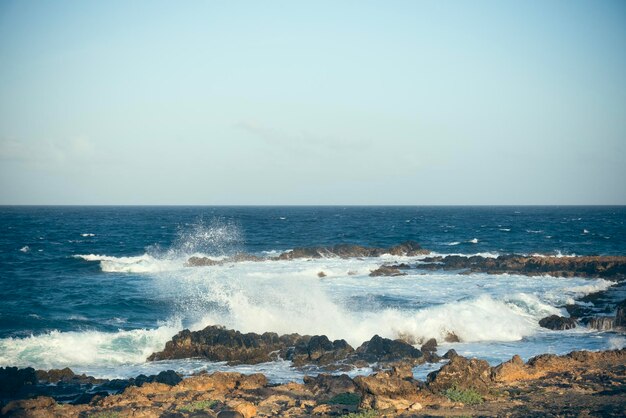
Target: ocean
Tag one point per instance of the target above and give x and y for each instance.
(98, 289)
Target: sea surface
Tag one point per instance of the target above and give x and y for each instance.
(98, 289)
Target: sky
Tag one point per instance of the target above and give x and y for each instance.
(313, 103)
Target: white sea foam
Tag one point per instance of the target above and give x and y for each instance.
(473, 241)
(25, 249)
(505, 229)
(87, 235)
(453, 243)
(79, 349)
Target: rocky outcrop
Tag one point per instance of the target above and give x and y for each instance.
(380, 349)
(555, 322)
(14, 380)
(408, 248)
(219, 344)
(318, 350)
(578, 384)
(611, 267)
(462, 373)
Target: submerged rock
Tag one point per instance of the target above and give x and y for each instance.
(387, 271)
(558, 323)
(601, 323)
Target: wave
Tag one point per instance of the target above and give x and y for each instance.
(79, 349)
(87, 235)
(25, 249)
(473, 241)
(453, 243)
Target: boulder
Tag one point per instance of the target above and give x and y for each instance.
(555, 322)
(326, 386)
(380, 349)
(461, 373)
(318, 350)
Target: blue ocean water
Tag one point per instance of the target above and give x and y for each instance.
(107, 285)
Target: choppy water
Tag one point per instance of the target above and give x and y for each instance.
(99, 289)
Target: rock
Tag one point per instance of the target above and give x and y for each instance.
(387, 271)
(321, 274)
(511, 371)
(202, 261)
(451, 337)
(227, 413)
(601, 323)
(587, 266)
(555, 322)
(13, 380)
(218, 344)
(462, 373)
(326, 386)
(28, 407)
(409, 248)
(450, 354)
(318, 350)
(620, 314)
(387, 390)
(429, 346)
(246, 409)
(380, 349)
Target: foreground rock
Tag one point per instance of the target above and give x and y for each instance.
(408, 248)
(613, 267)
(577, 384)
(219, 344)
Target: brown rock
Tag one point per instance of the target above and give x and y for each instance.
(387, 271)
(462, 373)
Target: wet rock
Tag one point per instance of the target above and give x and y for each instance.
(555, 322)
(321, 274)
(587, 266)
(318, 350)
(462, 373)
(202, 261)
(601, 323)
(620, 315)
(429, 346)
(450, 354)
(167, 377)
(409, 248)
(451, 337)
(380, 349)
(387, 271)
(218, 344)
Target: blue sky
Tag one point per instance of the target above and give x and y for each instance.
(349, 102)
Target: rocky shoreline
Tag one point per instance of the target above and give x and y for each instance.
(577, 384)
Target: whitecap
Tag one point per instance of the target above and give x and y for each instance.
(25, 249)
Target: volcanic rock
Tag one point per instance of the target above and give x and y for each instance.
(383, 349)
(555, 322)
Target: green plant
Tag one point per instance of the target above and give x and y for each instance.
(466, 396)
(370, 413)
(198, 406)
(346, 398)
